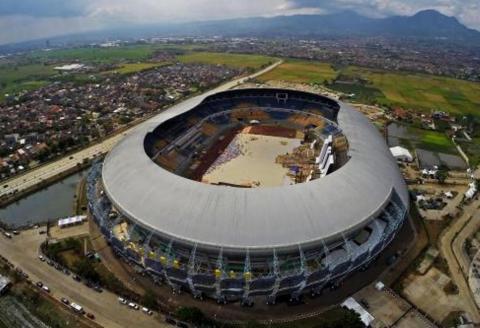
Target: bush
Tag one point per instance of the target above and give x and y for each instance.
(86, 269)
(149, 300)
(192, 315)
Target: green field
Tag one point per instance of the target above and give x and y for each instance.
(101, 55)
(412, 138)
(420, 91)
(410, 90)
(26, 77)
(135, 67)
(434, 141)
(472, 149)
(298, 71)
(227, 59)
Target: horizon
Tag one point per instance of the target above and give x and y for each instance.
(29, 20)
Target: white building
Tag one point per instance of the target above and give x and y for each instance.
(401, 154)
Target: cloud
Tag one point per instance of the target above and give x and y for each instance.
(28, 19)
(44, 8)
(467, 11)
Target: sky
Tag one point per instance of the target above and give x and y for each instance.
(22, 20)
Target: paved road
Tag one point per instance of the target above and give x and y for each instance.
(35, 176)
(22, 251)
(451, 244)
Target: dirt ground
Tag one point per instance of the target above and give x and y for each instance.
(421, 290)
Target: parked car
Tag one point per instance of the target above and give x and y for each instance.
(98, 289)
(41, 258)
(90, 316)
(123, 301)
(76, 278)
(39, 284)
(65, 301)
(133, 306)
(147, 311)
(46, 289)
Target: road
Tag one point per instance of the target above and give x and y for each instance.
(50, 170)
(451, 245)
(22, 251)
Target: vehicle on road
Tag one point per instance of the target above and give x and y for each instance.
(16, 232)
(98, 289)
(122, 301)
(77, 308)
(8, 235)
(65, 301)
(46, 289)
(76, 278)
(90, 316)
(39, 284)
(147, 311)
(133, 306)
(41, 258)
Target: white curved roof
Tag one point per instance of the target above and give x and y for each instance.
(262, 218)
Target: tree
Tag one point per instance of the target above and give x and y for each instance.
(85, 268)
(150, 300)
(191, 314)
(442, 175)
(342, 318)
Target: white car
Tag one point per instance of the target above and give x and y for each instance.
(122, 301)
(147, 311)
(45, 288)
(133, 306)
(41, 258)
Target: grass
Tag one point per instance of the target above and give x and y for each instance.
(435, 141)
(472, 149)
(426, 139)
(361, 93)
(101, 55)
(409, 90)
(299, 71)
(135, 67)
(26, 77)
(420, 91)
(253, 62)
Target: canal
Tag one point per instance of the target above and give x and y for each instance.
(52, 202)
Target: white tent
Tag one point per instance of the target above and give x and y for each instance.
(352, 304)
(401, 154)
(74, 220)
(472, 191)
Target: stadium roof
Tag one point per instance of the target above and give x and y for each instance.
(259, 218)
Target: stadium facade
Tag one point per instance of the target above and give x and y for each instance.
(239, 243)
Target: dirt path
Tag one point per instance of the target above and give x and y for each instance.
(450, 244)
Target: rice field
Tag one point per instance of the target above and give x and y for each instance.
(228, 59)
(298, 71)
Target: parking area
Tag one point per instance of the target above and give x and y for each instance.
(383, 305)
(22, 251)
(433, 293)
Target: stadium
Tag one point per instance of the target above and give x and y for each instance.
(250, 193)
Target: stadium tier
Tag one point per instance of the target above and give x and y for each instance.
(231, 243)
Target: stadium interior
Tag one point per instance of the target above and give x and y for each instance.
(189, 144)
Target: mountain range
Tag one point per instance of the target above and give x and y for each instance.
(425, 25)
